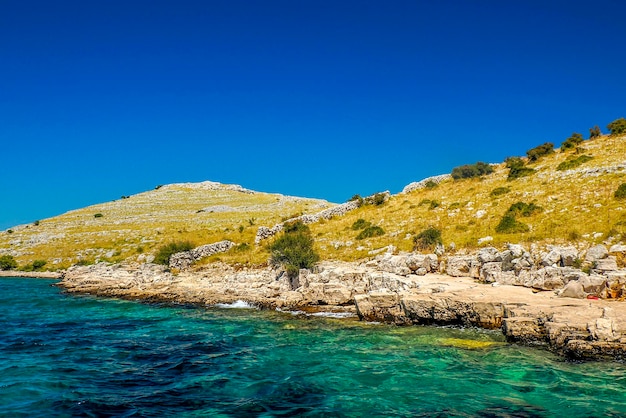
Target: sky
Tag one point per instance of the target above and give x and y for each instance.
(324, 99)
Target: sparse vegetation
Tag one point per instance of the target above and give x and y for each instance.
(620, 193)
(243, 247)
(542, 150)
(517, 168)
(358, 199)
(594, 132)
(166, 251)
(293, 250)
(427, 240)
(471, 170)
(572, 142)
(376, 199)
(572, 163)
(370, 231)
(617, 127)
(509, 223)
(36, 223)
(431, 184)
(98, 215)
(360, 224)
(499, 191)
(7, 262)
(36, 265)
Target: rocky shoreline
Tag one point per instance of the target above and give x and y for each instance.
(572, 313)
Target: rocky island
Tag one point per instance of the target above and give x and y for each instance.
(533, 246)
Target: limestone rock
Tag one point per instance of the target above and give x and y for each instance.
(606, 264)
(462, 265)
(573, 289)
(596, 253)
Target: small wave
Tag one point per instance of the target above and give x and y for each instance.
(238, 304)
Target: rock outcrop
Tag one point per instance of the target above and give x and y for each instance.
(418, 185)
(534, 298)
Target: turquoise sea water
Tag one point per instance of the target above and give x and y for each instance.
(64, 355)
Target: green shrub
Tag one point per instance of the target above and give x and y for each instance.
(243, 247)
(517, 168)
(293, 250)
(540, 151)
(499, 191)
(431, 184)
(523, 209)
(594, 132)
(620, 193)
(572, 141)
(358, 199)
(360, 224)
(371, 231)
(509, 225)
(471, 170)
(158, 187)
(98, 215)
(572, 163)
(36, 223)
(7, 262)
(166, 251)
(376, 199)
(617, 127)
(454, 205)
(38, 264)
(428, 239)
(433, 204)
(424, 202)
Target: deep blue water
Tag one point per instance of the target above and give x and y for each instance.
(64, 355)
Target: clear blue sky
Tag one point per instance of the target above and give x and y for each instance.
(100, 99)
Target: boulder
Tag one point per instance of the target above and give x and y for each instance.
(487, 255)
(596, 253)
(592, 284)
(573, 289)
(462, 265)
(606, 264)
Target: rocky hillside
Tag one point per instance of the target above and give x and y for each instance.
(133, 227)
(567, 196)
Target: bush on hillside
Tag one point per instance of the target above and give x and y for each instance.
(370, 231)
(428, 239)
(471, 170)
(594, 132)
(36, 265)
(517, 168)
(509, 225)
(617, 127)
(572, 142)
(166, 251)
(358, 199)
(499, 191)
(376, 199)
(293, 250)
(572, 163)
(620, 193)
(431, 184)
(540, 151)
(523, 209)
(360, 224)
(7, 262)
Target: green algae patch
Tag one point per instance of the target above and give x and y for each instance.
(468, 344)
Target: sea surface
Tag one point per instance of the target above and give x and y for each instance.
(63, 355)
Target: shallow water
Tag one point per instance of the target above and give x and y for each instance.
(64, 355)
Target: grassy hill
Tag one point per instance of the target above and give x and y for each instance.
(571, 190)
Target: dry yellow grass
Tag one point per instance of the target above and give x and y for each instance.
(578, 206)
